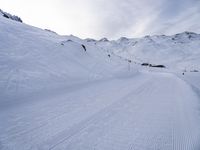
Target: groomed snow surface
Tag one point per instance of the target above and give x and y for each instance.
(54, 95)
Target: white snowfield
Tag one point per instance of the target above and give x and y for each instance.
(64, 93)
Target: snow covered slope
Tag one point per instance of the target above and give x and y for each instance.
(180, 51)
(65, 93)
(33, 59)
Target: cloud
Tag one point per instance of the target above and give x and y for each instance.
(123, 18)
(109, 18)
(152, 17)
(115, 18)
(177, 16)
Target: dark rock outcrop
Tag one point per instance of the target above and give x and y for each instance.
(9, 16)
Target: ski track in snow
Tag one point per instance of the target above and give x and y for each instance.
(149, 111)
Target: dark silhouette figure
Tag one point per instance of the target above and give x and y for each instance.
(84, 47)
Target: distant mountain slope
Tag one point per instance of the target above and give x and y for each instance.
(176, 51)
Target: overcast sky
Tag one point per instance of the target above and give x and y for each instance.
(108, 18)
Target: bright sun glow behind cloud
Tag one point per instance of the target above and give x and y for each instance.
(112, 19)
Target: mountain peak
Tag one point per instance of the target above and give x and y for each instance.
(9, 16)
(104, 40)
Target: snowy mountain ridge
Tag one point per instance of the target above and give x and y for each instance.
(9, 16)
(180, 50)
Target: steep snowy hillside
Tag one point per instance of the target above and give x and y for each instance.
(65, 93)
(33, 59)
(180, 51)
